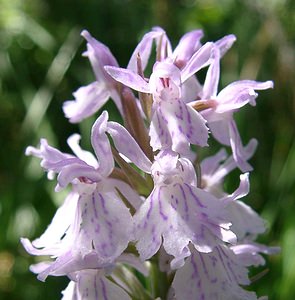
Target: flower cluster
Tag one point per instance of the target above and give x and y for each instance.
(145, 199)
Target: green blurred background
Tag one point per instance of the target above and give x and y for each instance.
(41, 65)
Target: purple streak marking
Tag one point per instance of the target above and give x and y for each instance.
(194, 196)
(104, 292)
(102, 200)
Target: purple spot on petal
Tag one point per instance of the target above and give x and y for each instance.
(214, 280)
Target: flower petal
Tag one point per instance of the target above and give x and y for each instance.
(212, 78)
(180, 214)
(246, 222)
(241, 191)
(187, 46)
(60, 223)
(134, 261)
(128, 78)
(101, 145)
(149, 225)
(127, 145)
(239, 93)
(230, 164)
(53, 160)
(210, 164)
(88, 157)
(79, 171)
(106, 224)
(225, 43)
(248, 253)
(220, 130)
(132, 197)
(88, 100)
(99, 56)
(239, 155)
(191, 89)
(185, 125)
(143, 49)
(159, 133)
(92, 285)
(198, 61)
(70, 262)
(216, 275)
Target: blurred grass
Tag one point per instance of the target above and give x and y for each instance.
(41, 65)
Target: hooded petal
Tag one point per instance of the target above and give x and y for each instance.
(143, 49)
(198, 61)
(127, 145)
(187, 46)
(164, 48)
(101, 145)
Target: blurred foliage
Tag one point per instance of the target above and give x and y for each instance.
(41, 65)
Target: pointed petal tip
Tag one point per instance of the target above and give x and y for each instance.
(232, 37)
(270, 83)
(26, 244)
(101, 123)
(40, 277)
(23, 240)
(86, 35)
(73, 139)
(29, 151)
(110, 69)
(263, 85)
(158, 28)
(68, 112)
(58, 188)
(245, 176)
